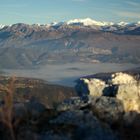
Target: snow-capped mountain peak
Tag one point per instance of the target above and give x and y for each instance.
(56, 23)
(120, 27)
(122, 23)
(2, 26)
(89, 22)
(138, 23)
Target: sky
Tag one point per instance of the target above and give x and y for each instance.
(47, 11)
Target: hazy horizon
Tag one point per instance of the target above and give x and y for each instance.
(44, 11)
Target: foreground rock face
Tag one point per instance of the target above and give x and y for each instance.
(87, 126)
(130, 95)
(97, 116)
(34, 121)
(108, 109)
(121, 85)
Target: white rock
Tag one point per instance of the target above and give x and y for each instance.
(122, 78)
(95, 86)
(129, 94)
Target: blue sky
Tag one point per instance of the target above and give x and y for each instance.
(46, 11)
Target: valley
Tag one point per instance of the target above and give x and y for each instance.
(66, 74)
(62, 52)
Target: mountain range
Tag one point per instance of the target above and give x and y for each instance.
(92, 23)
(83, 40)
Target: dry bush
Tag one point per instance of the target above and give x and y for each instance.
(6, 110)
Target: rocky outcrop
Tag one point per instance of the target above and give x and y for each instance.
(32, 120)
(123, 86)
(95, 116)
(108, 109)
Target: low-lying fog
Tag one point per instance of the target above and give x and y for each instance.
(66, 74)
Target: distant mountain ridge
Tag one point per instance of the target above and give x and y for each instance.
(88, 22)
(82, 40)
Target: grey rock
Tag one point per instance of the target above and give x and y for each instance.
(87, 126)
(73, 103)
(35, 108)
(28, 110)
(53, 136)
(108, 109)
